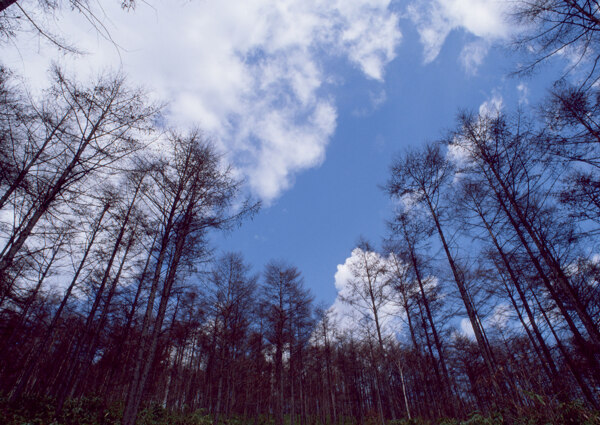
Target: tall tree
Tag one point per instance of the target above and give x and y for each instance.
(369, 291)
(231, 300)
(192, 194)
(502, 157)
(86, 130)
(419, 177)
(282, 297)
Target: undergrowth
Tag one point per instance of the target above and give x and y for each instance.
(93, 411)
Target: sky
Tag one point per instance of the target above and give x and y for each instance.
(310, 100)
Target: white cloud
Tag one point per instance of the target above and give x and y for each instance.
(472, 56)
(346, 317)
(460, 151)
(491, 107)
(523, 93)
(249, 72)
(376, 99)
(409, 201)
(352, 317)
(435, 19)
(459, 154)
(500, 317)
(466, 328)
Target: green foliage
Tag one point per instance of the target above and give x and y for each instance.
(93, 411)
(570, 413)
(89, 411)
(449, 421)
(158, 415)
(480, 419)
(575, 413)
(28, 411)
(42, 411)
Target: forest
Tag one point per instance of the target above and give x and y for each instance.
(116, 309)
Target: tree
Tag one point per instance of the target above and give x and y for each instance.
(40, 350)
(369, 292)
(409, 235)
(231, 302)
(419, 177)
(369, 288)
(16, 15)
(510, 267)
(571, 138)
(502, 158)
(561, 26)
(81, 132)
(284, 301)
(192, 193)
(122, 235)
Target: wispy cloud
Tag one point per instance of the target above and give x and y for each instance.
(523, 93)
(435, 19)
(492, 106)
(473, 54)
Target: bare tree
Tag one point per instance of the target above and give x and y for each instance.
(370, 292)
(192, 194)
(555, 27)
(410, 233)
(231, 300)
(500, 155)
(283, 300)
(97, 128)
(16, 17)
(420, 177)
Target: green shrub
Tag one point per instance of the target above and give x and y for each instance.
(412, 421)
(479, 419)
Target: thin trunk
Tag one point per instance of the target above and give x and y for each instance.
(146, 357)
(579, 339)
(585, 389)
(50, 196)
(483, 346)
(30, 299)
(543, 249)
(93, 345)
(515, 281)
(404, 392)
(124, 338)
(436, 337)
(70, 382)
(23, 173)
(20, 387)
(544, 356)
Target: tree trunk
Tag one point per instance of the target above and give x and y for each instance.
(483, 346)
(18, 390)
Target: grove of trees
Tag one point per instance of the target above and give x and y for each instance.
(484, 296)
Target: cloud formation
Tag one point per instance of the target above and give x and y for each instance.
(358, 317)
(249, 72)
(435, 19)
(472, 55)
(460, 151)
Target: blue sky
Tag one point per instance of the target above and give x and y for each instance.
(316, 224)
(310, 100)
